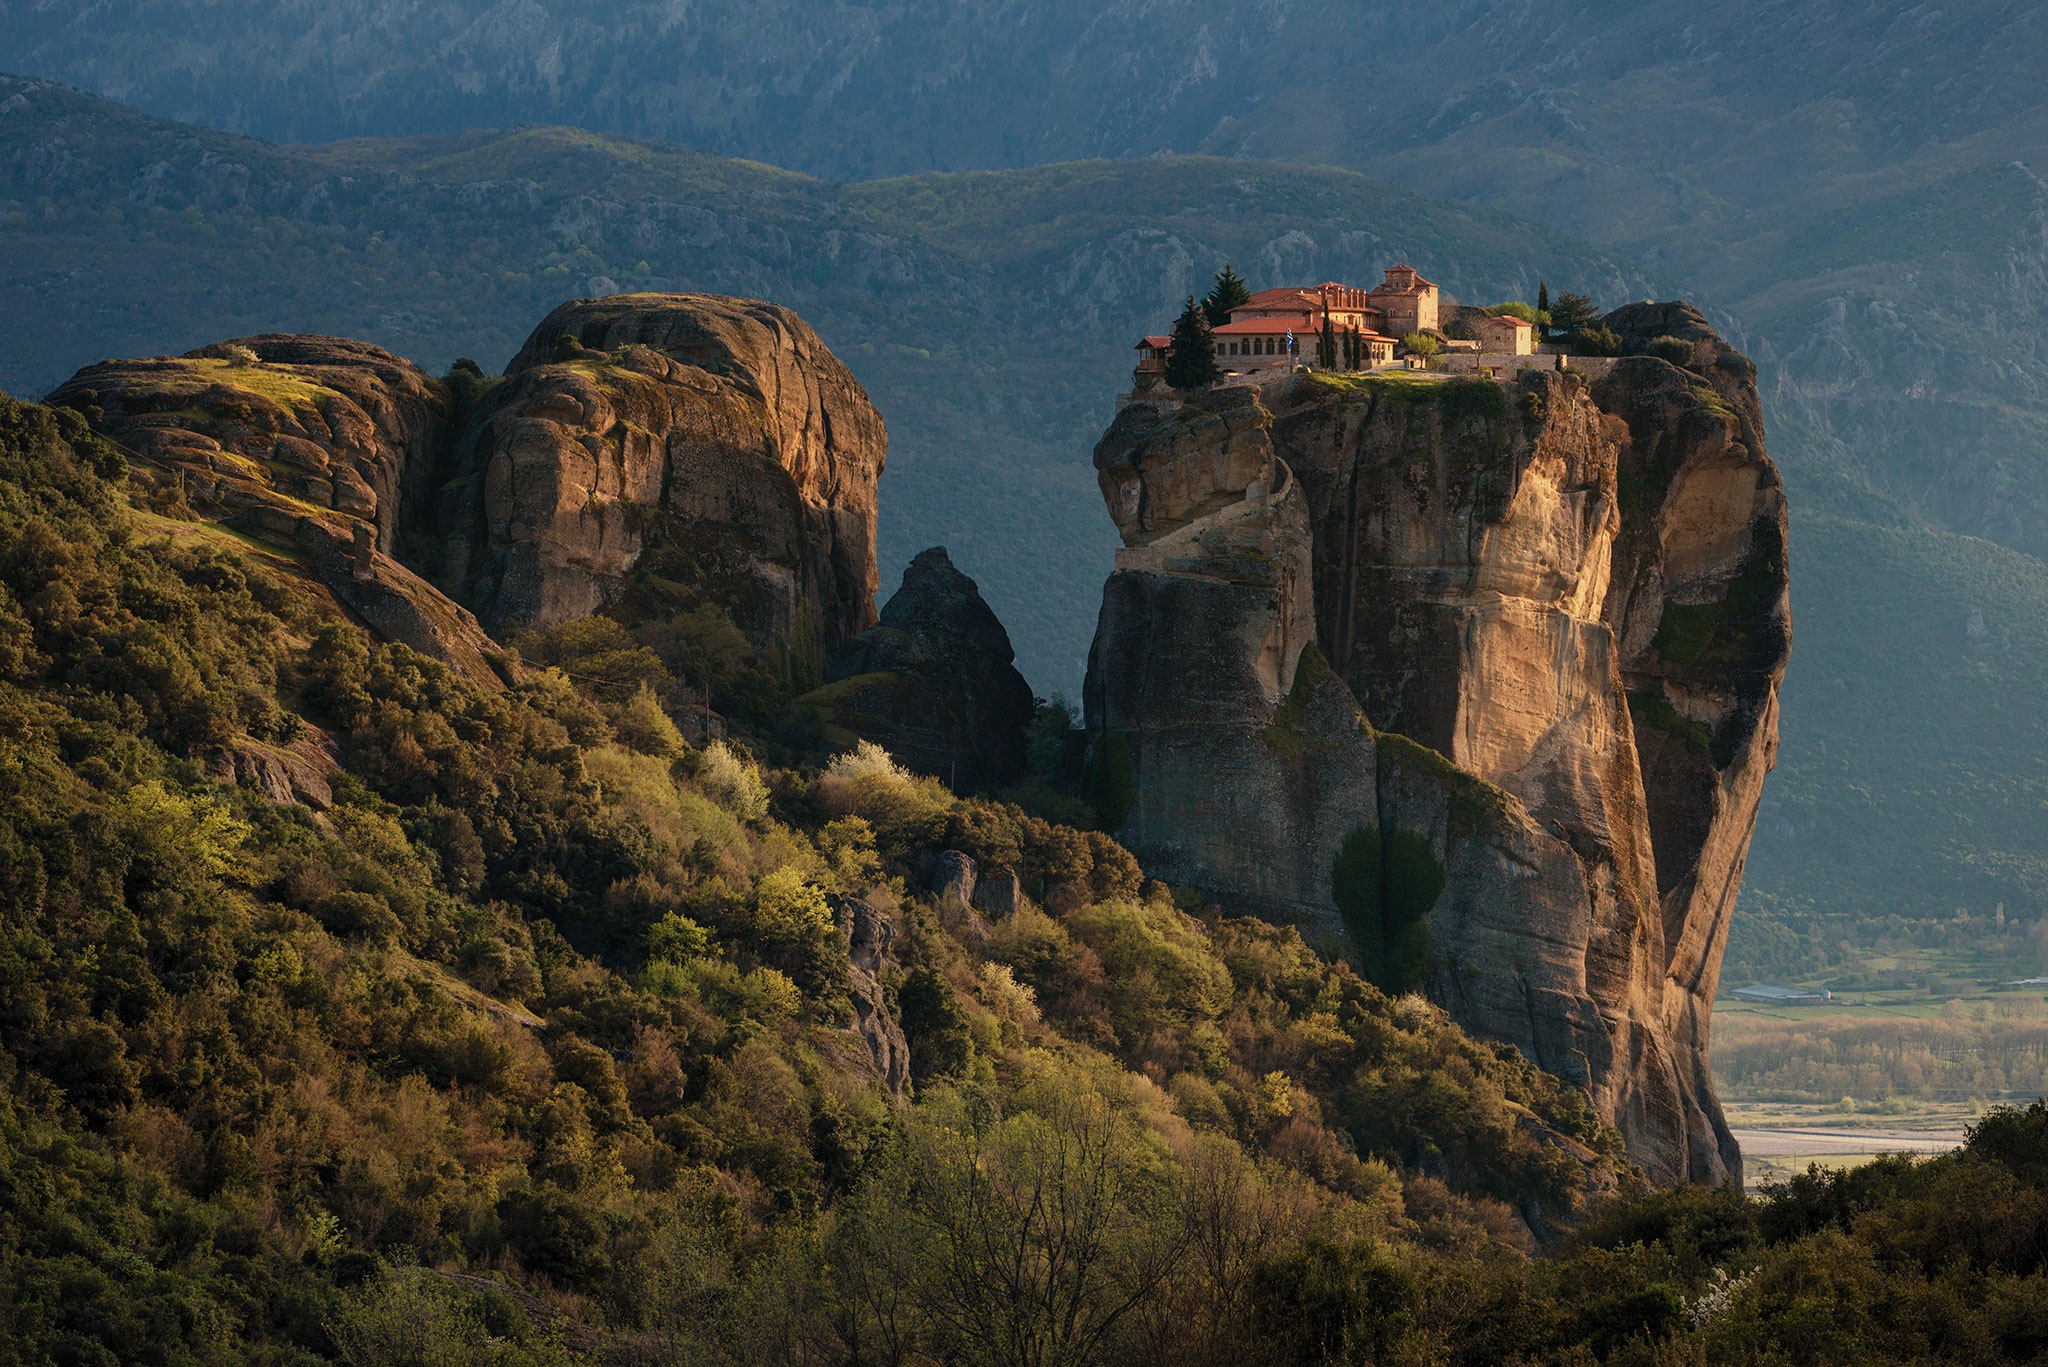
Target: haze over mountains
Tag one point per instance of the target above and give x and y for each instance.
(1856, 198)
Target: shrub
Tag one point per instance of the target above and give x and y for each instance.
(678, 939)
(642, 725)
(1676, 350)
(1384, 884)
(733, 781)
(1421, 344)
(906, 811)
(1595, 340)
(1160, 967)
(1514, 308)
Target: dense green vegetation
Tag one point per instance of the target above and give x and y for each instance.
(549, 999)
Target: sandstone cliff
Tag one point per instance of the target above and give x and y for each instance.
(1554, 615)
(316, 445)
(648, 453)
(656, 456)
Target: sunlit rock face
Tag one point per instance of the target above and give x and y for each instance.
(715, 443)
(1548, 616)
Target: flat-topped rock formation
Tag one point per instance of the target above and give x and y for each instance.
(1511, 650)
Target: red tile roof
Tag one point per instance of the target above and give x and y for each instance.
(1153, 342)
(1301, 324)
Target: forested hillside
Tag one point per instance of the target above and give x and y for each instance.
(531, 1033)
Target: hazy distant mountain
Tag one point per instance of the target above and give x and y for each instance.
(991, 316)
(1855, 191)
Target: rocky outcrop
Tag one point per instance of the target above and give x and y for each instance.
(1548, 620)
(933, 682)
(870, 933)
(652, 453)
(315, 445)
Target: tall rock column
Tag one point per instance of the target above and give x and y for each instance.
(1480, 558)
(1248, 767)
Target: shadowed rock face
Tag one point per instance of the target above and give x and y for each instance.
(1554, 615)
(647, 448)
(315, 444)
(933, 682)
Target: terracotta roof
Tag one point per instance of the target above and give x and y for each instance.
(1420, 283)
(1510, 318)
(1301, 324)
(1279, 298)
(1152, 342)
(1291, 322)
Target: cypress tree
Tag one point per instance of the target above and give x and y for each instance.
(1326, 346)
(1229, 292)
(1191, 364)
(1542, 311)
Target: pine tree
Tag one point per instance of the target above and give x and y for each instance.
(1542, 311)
(1230, 292)
(1573, 312)
(1191, 363)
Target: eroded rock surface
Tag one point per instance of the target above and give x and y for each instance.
(933, 682)
(1554, 618)
(652, 453)
(870, 933)
(315, 445)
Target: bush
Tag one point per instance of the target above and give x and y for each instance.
(1595, 340)
(1514, 309)
(1676, 350)
(733, 782)
(906, 811)
(1421, 344)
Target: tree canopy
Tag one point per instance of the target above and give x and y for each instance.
(1229, 292)
(1191, 364)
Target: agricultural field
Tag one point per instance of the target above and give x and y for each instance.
(1871, 1072)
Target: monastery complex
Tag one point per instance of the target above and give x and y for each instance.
(1280, 329)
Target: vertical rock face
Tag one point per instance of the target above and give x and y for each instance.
(933, 681)
(1554, 618)
(647, 450)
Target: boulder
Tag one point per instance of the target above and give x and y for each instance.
(953, 878)
(999, 892)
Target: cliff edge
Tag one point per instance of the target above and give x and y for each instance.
(1479, 675)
